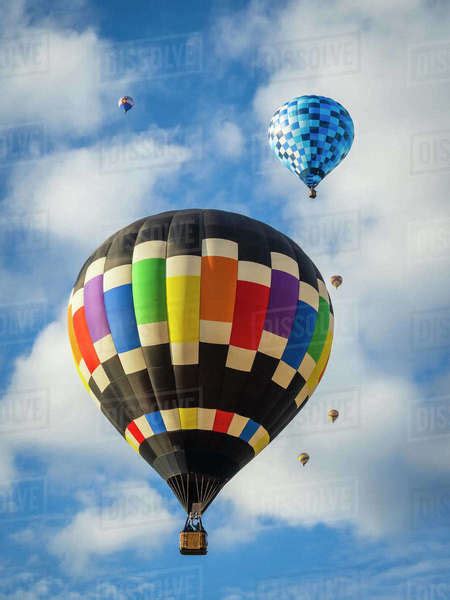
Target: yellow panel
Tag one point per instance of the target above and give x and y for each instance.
(183, 308)
(131, 440)
(259, 440)
(188, 418)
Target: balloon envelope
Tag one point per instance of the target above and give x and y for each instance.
(336, 280)
(200, 334)
(311, 135)
(303, 458)
(126, 102)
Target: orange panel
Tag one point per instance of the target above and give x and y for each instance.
(84, 340)
(218, 288)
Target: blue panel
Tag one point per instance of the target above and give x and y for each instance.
(122, 321)
(249, 430)
(301, 334)
(297, 124)
(156, 422)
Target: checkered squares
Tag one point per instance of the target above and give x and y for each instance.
(311, 135)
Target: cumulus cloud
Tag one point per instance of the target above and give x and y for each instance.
(53, 74)
(130, 515)
(88, 192)
(229, 139)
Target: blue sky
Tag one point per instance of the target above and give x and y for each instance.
(81, 515)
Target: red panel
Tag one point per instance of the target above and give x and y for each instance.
(135, 431)
(84, 340)
(249, 314)
(222, 421)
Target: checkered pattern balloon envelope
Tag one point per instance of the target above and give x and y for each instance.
(311, 135)
(199, 334)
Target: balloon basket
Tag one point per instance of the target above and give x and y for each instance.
(193, 538)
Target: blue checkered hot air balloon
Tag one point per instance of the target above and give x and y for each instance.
(126, 102)
(311, 135)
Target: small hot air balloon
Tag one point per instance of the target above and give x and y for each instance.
(126, 102)
(311, 135)
(303, 458)
(333, 414)
(336, 280)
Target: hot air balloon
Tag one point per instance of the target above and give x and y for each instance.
(336, 280)
(199, 334)
(126, 102)
(311, 135)
(333, 414)
(303, 458)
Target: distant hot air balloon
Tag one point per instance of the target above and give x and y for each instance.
(303, 458)
(126, 102)
(199, 334)
(333, 414)
(311, 135)
(336, 280)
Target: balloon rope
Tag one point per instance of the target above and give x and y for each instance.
(201, 490)
(187, 502)
(178, 489)
(196, 485)
(211, 493)
(184, 492)
(207, 489)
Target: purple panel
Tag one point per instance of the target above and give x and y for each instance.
(94, 308)
(282, 303)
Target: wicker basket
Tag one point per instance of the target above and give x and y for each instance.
(193, 542)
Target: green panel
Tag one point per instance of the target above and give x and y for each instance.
(149, 290)
(320, 331)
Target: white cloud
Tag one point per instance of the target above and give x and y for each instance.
(131, 515)
(89, 192)
(228, 139)
(53, 76)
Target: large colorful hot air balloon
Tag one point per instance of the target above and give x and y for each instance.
(311, 135)
(200, 334)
